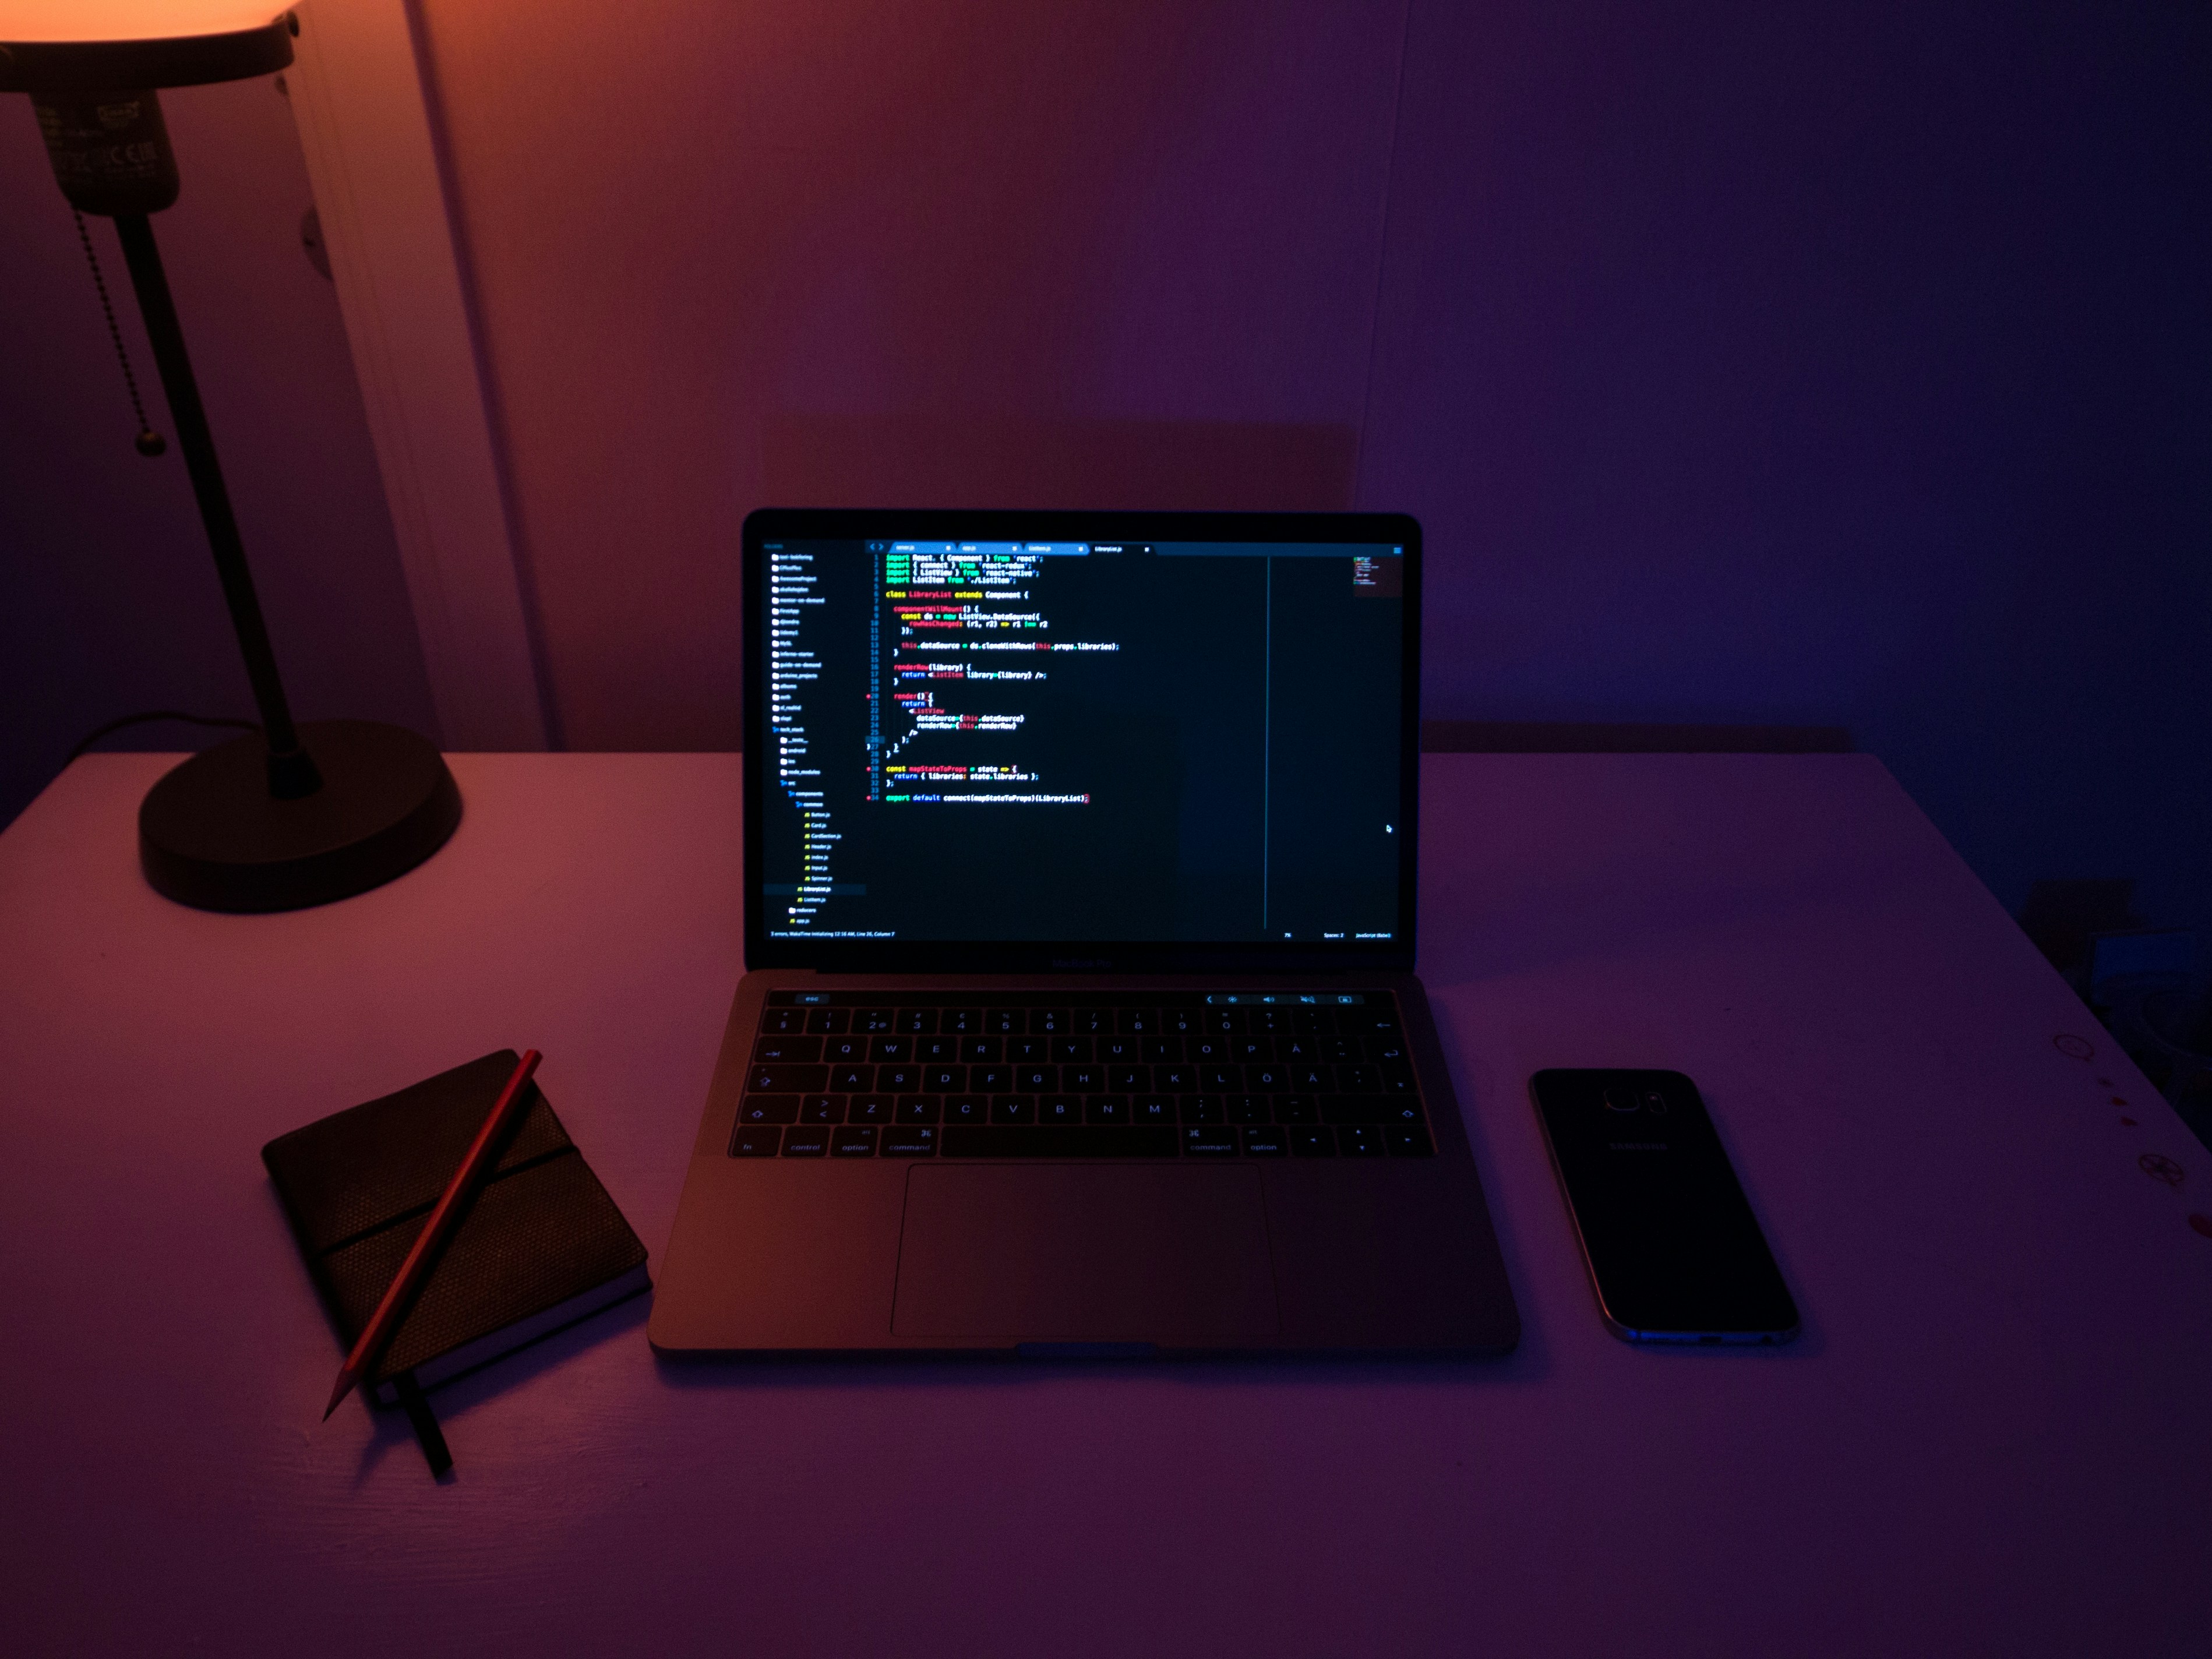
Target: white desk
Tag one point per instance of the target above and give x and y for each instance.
(1996, 1435)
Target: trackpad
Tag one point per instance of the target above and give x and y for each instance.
(1085, 1252)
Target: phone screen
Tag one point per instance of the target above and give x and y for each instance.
(1672, 1247)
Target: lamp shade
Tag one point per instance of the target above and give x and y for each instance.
(106, 46)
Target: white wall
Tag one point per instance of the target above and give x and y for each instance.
(1747, 363)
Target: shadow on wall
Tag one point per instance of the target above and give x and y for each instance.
(933, 461)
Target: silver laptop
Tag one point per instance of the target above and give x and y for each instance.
(1079, 1016)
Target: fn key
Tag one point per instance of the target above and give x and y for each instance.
(757, 1140)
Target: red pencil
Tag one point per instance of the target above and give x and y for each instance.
(443, 1219)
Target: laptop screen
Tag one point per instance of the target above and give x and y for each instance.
(1167, 731)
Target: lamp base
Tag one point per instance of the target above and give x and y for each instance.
(211, 835)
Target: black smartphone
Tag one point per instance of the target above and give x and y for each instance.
(1673, 1250)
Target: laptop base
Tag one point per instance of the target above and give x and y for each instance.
(888, 1254)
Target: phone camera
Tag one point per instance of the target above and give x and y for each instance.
(1617, 1099)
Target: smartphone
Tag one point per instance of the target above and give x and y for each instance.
(1673, 1250)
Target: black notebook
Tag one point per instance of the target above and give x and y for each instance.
(541, 1247)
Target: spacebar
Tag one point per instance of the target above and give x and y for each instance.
(995, 1140)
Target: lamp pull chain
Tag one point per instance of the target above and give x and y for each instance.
(150, 442)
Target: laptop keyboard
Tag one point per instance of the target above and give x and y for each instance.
(845, 1074)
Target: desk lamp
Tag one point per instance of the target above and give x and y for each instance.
(292, 815)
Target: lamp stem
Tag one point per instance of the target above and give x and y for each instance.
(292, 772)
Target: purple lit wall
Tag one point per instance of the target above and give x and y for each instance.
(1093, 252)
(1810, 363)
(1746, 362)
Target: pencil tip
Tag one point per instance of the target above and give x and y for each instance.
(344, 1388)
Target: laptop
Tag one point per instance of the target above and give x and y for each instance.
(1079, 1016)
